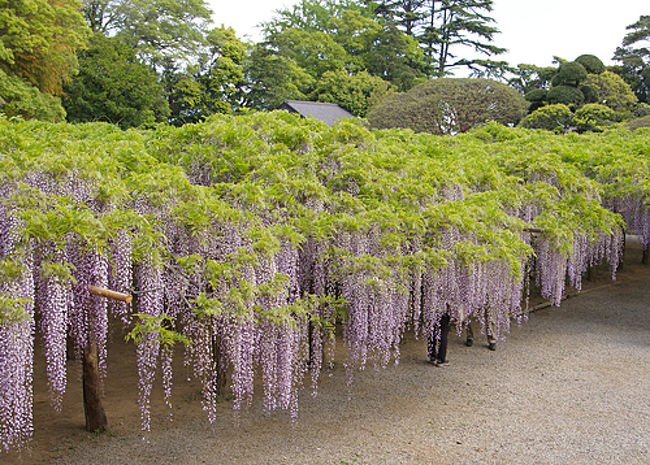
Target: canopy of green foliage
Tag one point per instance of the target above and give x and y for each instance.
(614, 92)
(39, 40)
(556, 118)
(354, 93)
(593, 117)
(19, 98)
(570, 73)
(565, 95)
(114, 87)
(591, 63)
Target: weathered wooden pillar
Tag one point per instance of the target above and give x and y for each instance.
(93, 408)
(621, 260)
(92, 387)
(222, 380)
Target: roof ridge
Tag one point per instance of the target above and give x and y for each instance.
(312, 102)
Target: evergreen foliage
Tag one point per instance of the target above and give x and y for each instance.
(570, 74)
(566, 95)
(614, 92)
(115, 87)
(590, 93)
(355, 93)
(158, 30)
(634, 56)
(443, 27)
(591, 63)
(554, 117)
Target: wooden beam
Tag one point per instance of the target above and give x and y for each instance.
(109, 294)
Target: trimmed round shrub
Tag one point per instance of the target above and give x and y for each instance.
(569, 74)
(556, 118)
(565, 95)
(590, 93)
(641, 109)
(593, 117)
(591, 63)
(536, 95)
(537, 99)
(450, 106)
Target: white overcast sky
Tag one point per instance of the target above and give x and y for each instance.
(533, 31)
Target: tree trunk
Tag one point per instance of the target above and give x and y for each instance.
(644, 259)
(622, 259)
(222, 380)
(95, 415)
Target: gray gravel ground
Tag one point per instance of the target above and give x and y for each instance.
(570, 386)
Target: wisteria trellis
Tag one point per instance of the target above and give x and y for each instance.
(250, 238)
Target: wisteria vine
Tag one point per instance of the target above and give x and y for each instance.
(250, 251)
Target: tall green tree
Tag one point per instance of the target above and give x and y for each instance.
(39, 40)
(213, 85)
(273, 78)
(449, 31)
(184, 93)
(114, 86)
(318, 37)
(634, 56)
(158, 30)
(167, 37)
(356, 93)
(223, 70)
(408, 15)
(314, 15)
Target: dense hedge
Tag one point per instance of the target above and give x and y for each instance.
(449, 106)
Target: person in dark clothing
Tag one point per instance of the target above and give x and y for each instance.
(437, 341)
(490, 329)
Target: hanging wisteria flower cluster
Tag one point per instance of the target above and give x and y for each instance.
(250, 252)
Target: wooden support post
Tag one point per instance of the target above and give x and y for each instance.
(621, 261)
(222, 381)
(644, 259)
(93, 408)
(310, 338)
(590, 273)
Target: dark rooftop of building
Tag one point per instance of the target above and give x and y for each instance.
(328, 113)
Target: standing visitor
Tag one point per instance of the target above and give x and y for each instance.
(437, 341)
(490, 330)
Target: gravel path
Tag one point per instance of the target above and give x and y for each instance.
(570, 386)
